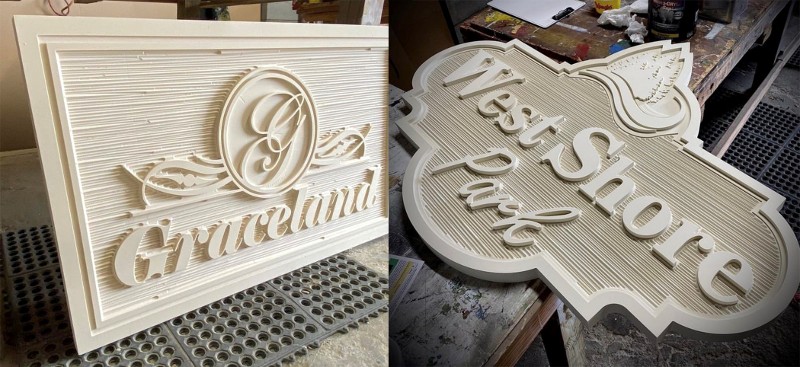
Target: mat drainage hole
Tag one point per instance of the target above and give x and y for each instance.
(287, 340)
(92, 356)
(327, 320)
(168, 352)
(208, 362)
(260, 354)
(152, 359)
(140, 337)
(213, 345)
(273, 347)
(311, 328)
(227, 338)
(222, 356)
(247, 361)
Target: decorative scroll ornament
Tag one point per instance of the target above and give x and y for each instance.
(591, 177)
(268, 140)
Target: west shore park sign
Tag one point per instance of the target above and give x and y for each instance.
(186, 161)
(591, 177)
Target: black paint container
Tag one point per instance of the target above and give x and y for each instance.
(672, 19)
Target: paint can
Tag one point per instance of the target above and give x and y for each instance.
(672, 19)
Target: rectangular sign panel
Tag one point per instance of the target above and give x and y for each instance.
(591, 176)
(186, 160)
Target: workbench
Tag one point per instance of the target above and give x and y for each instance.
(717, 47)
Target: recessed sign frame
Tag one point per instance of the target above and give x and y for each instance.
(591, 177)
(188, 160)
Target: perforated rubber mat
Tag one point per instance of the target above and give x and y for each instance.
(767, 148)
(265, 325)
(794, 61)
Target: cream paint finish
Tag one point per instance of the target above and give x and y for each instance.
(16, 127)
(187, 160)
(679, 240)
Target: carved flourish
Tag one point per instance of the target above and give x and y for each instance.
(183, 177)
(268, 140)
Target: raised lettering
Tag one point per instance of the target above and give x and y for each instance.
(279, 216)
(713, 266)
(472, 163)
(686, 233)
(585, 152)
(489, 73)
(532, 136)
(249, 237)
(533, 220)
(613, 175)
(479, 194)
(125, 258)
(655, 226)
(502, 99)
(225, 238)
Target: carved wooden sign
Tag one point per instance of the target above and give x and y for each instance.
(186, 161)
(591, 177)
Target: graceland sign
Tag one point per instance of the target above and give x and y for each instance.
(186, 161)
(591, 177)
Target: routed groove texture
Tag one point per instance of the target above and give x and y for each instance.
(767, 148)
(265, 325)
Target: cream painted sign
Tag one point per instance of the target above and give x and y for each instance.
(188, 160)
(591, 177)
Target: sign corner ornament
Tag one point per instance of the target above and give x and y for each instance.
(181, 172)
(591, 177)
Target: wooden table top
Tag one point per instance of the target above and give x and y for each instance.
(716, 47)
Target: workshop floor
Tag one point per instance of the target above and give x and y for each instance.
(615, 341)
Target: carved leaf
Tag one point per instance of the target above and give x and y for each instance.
(339, 146)
(655, 73)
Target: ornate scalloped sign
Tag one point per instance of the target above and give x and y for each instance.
(186, 161)
(591, 177)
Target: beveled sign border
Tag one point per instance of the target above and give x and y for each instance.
(40, 39)
(591, 308)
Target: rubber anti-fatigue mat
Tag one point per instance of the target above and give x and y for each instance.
(767, 148)
(39, 250)
(265, 325)
(794, 60)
